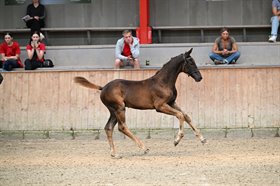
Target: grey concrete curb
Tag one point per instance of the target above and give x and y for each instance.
(96, 134)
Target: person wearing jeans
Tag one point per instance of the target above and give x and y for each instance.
(224, 50)
(10, 52)
(275, 20)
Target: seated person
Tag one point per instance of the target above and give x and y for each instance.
(10, 53)
(127, 51)
(225, 49)
(35, 52)
(275, 20)
(37, 13)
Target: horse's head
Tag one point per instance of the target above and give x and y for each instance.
(190, 67)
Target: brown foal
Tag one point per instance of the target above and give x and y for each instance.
(157, 92)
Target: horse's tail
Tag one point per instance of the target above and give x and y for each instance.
(84, 82)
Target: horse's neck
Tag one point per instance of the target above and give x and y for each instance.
(169, 73)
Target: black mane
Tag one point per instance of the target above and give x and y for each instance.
(170, 62)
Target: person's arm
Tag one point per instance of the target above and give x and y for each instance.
(40, 51)
(118, 51)
(30, 50)
(43, 13)
(28, 11)
(275, 12)
(135, 50)
(17, 53)
(215, 49)
(10, 57)
(3, 57)
(30, 53)
(234, 48)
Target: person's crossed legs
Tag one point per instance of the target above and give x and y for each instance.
(121, 63)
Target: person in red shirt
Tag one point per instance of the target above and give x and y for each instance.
(35, 52)
(127, 51)
(10, 53)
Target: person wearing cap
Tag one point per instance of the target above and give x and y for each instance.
(10, 53)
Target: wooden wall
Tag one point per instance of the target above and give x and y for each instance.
(226, 97)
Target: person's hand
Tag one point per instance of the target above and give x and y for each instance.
(36, 44)
(5, 58)
(130, 58)
(33, 44)
(37, 18)
(225, 52)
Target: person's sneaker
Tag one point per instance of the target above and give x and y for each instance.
(225, 61)
(218, 62)
(272, 39)
(233, 62)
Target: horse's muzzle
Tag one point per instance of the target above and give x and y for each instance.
(198, 79)
(197, 76)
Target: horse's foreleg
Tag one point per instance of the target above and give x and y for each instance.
(109, 132)
(189, 121)
(167, 109)
(124, 129)
(196, 131)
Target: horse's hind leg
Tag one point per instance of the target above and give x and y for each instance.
(189, 121)
(124, 129)
(109, 127)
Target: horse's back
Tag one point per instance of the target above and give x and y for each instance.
(134, 94)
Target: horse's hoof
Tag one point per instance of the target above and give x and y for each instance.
(115, 156)
(204, 141)
(146, 151)
(176, 143)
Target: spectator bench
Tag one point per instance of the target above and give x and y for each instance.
(87, 31)
(202, 29)
(53, 34)
(102, 56)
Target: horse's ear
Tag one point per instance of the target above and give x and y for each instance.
(189, 52)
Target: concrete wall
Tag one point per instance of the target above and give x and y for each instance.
(100, 13)
(157, 54)
(106, 13)
(210, 12)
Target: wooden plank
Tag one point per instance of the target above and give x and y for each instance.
(238, 104)
(276, 98)
(5, 95)
(261, 77)
(32, 100)
(12, 101)
(269, 96)
(35, 116)
(204, 101)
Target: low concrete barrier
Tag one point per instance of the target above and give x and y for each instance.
(97, 56)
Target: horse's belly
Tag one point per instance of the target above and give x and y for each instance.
(139, 104)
